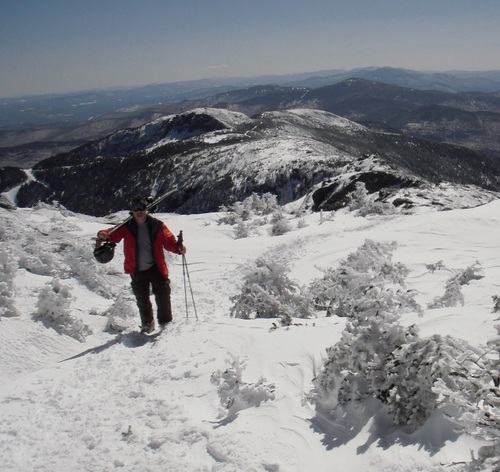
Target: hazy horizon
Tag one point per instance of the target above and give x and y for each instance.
(63, 47)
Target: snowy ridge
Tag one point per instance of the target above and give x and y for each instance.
(129, 402)
(214, 156)
(319, 118)
(230, 119)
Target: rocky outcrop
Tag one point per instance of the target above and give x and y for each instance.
(335, 195)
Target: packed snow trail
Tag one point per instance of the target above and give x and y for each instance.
(130, 402)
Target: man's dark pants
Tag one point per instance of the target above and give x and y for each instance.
(141, 282)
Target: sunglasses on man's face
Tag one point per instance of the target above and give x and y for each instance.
(139, 207)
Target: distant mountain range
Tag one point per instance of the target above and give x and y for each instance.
(459, 108)
(470, 119)
(210, 157)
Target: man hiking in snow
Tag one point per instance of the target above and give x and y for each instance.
(145, 238)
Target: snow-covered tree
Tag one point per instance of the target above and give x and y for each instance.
(254, 205)
(476, 393)
(363, 284)
(367, 204)
(435, 266)
(453, 291)
(37, 257)
(406, 373)
(411, 371)
(242, 230)
(376, 354)
(53, 309)
(8, 269)
(354, 367)
(496, 303)
(247, 216)
(267, 292)
(83, 267)
(264, 204)
(280, 224)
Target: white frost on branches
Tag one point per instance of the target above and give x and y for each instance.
(366, 283)
(267, 292)
(377, 356)
(8, 269)
(453, 292)
(53, 309)
(236, 395)
(255, 211)
(366, 204)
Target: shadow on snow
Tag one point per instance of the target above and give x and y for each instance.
(371, 419)
(131, 340)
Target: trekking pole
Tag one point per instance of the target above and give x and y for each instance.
(185, 272)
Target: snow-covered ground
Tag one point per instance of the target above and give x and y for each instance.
(147, 403)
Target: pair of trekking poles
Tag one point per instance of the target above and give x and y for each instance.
(185, 275)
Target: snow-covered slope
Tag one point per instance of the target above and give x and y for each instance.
(131, 402)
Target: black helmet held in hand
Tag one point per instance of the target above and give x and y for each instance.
(105, 252)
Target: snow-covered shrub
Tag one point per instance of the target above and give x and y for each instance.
(243, 230)
(453, 292)
(267, 292)
(496, 303)
(280, 224)
(493, 359)
(411, 371)
(3, 232)
(120, 315)
(233, 214)
(366, 204)
(254, 205)
(83, 267)
(366, 282)
(435, 266)
(265, 204)
(8, 269)
(53, 309)
(253, 212)
(301, 223)
(473, 272)
(452, 296)
(369, 289)
(236, 395)
(379, 358)
(476, 393)
(38, 258)
(355, 365)
(326, 216)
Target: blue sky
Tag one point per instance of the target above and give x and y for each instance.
(58, 46)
